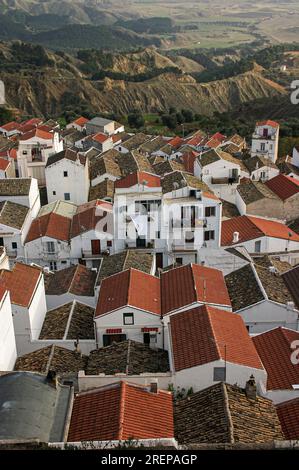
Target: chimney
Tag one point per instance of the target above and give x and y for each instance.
(77, 347)
(236, 237)
(154, 387)
(250, 388)
(52, 377)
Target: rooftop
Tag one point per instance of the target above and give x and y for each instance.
(274, 349)
(288, 414)
(21, 282)
(291, 280)
(12, 214)
(205, 334)
(139, 178)
(70, 321)
(77, 280)
(253, 191)
(128, 357)
(103, 190)
(67, 154)
(15, 186)
(239, 418)
(121, 411)
(250, 228)
(283, 186)
(88, 216)
(51, 225)
(51, 358)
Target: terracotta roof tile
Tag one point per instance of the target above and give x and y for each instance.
(77, 280)
(4, 164)
(267, 122)
(21, 283)
(283, 186)
(291, 280)
(202, 334)
(288, 414)
(121, 411)
(40, 133)
(51, 225)
(131, 287)
(250, 228)
(88, 216)
(192, 283)
(274, 349)
(140, 177)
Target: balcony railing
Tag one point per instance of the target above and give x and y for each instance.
(226, 180)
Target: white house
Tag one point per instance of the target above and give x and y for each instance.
(221, 172)
(8, 349)
(10, 128)
(261, 297)
(277, 348)
(209, 345)
(48, 240)
(28, 300)
(78, 124)
(67, 177)
(265, 140)
(23, 191)
(91, 233)
(261, 168)
(103, 125)
(7, 168)
(295, 157)
(34, 149)
(15, 221)
(258, 235)
(105, 166)
(129, 307)
(174, 216)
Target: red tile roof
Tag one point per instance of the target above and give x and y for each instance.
(140, 177)
(4, 164)
(189, 160)
(21, 282)
(121, 411)
(274, 349)
(205, 334)
(100, 137)
(11, 126)
(131, 287)
(176, 142)
(283, 186)
(41, 134)
(250, 228)
(291, 280)
(81, 121)
(34, 122)
(288, 414)
(268, 122)
(88, 215)
(219, 136)
(192, 283)
(50, 225)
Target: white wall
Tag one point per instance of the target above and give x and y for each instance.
(38, 309)
(86, 346)
(87, 382)
(76, 183)
(133, 332)
(267, 315)
(36, 252)
(295, 158)
(8, 350)
(269, 245)
(201, 377)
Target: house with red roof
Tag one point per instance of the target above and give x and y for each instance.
(129, 307)
(288, 414)
(78, 124)
(279, 353)
(286, 188)
(258, 235)
(48, 239)
(34, 149)
(123, 411)
(8, 349)
(138, 306)
(91, 234)
(265, 140)
(7, 168)
(26, 288)
(10, 129)
(210, 345)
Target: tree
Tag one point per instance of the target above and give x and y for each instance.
(170, 120)
(5, 115)
(180, 118)
(136, 120)
(188, 115)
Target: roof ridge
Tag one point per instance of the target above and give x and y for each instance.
(73, 279)
(121, 410)
(227, 412)
(125, 260)
(214, 339)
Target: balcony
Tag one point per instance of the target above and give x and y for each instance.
(226, 180)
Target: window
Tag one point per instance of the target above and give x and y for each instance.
(25, 152)
(179, 261)
(219, 374)
(54, 193)
(263, 147)
(67, 196)
(210, 211)
(189, 237)
(209, 235)
(263, 175)
(109, 243)
(50, 247)
(1, 241)
(158, 234)
(53, 266)
(257, 246)
(128, 319)
(63, 262)
(14, 245)
(65, 174)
